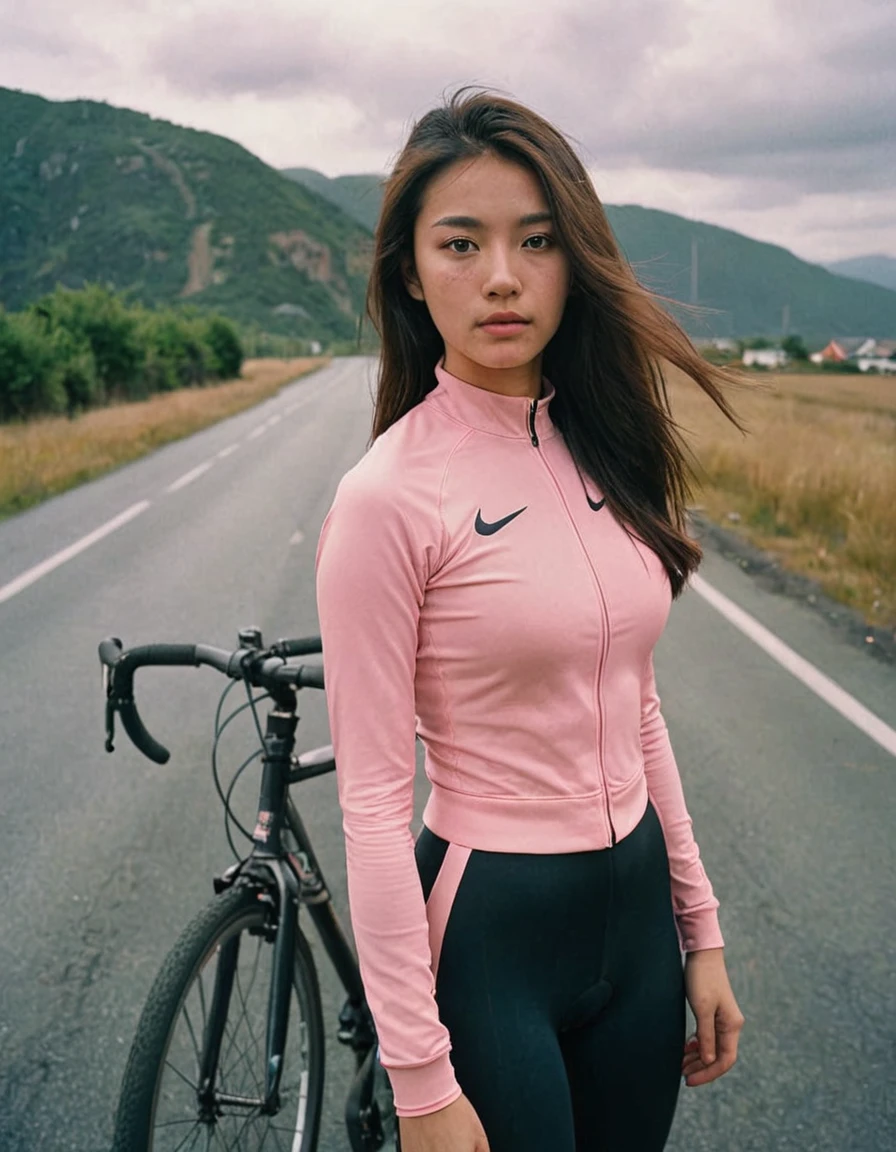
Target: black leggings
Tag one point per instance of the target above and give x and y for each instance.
(559, 978)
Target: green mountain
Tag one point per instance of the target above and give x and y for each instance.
(743, 287)
(877, 269)
(89, 192)
(359, 196)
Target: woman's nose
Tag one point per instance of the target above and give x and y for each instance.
(501, 278)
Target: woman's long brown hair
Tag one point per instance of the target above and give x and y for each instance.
(605, 360)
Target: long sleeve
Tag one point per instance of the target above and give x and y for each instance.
(372, 569)
(692, 895)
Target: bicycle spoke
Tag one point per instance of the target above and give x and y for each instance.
(197, 1048)
(180, 1122)
(246, 1056)
(186, 1138)
(244, 996)
(236, 1144)
(264, 1138)
(177, 1072)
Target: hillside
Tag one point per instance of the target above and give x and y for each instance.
(359, 196)
(744, 285)
(877, 269)
(89, 192)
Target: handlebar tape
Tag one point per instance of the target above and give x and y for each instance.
(141, 739)
(311, 677)
(123, 666)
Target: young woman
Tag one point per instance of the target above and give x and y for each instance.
(493, 576)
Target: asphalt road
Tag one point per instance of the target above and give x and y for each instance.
(103, 858)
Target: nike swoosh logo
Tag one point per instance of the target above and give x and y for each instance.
(595, 505)
(486, 529)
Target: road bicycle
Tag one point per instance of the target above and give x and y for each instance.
(229, 1050)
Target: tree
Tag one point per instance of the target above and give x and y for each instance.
(227, 351)
(795, 348)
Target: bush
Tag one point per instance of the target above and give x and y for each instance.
(227, 351)
(97, 317)
(841, 366)
(176, 356)
(73, 350)
(29, 373)
(795, 347)
(77, 372)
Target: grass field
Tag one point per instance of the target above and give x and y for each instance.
(813, 481)
(44, 457)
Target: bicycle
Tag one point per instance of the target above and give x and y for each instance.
(229, 1049)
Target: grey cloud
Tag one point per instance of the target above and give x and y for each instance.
(813, 113)
(814, 124)
(278, 57)
(44, 41)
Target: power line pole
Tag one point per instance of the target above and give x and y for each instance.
(694, 271)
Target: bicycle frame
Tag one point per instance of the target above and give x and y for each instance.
(283, 873)
(299, 881)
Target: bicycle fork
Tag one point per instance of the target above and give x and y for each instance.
(282, 933)
(264, 865)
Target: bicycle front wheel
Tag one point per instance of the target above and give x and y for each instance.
(162, 1107)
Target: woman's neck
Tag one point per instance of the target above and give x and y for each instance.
(524, 380)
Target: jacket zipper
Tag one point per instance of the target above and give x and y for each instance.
(533, 436)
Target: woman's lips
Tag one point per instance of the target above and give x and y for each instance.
(505, 327)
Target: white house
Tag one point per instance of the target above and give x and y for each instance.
(764, 357)
(876, 364)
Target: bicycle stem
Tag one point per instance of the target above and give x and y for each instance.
(279, 741)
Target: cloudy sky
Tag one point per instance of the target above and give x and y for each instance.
(774, 117)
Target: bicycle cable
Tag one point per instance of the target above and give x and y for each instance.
(229, 815)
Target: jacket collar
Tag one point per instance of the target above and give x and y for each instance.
(490, 411)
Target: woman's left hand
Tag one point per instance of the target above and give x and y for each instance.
(713, 1051)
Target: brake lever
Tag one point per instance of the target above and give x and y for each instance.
(110, 725)
(106, 673)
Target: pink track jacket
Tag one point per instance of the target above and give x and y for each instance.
(474, 590)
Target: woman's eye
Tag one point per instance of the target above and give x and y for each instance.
(460, 252)
(541, 242)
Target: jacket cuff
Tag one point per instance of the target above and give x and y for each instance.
(699, 930)
(424, 1088)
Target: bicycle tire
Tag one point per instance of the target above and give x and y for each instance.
(158, 1109)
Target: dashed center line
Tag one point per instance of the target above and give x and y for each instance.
(189, 477)
(34, 574)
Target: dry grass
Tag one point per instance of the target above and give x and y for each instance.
(41, 458)
(813, 482)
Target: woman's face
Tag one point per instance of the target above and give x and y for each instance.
(484, 243)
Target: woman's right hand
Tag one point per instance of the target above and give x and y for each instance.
(455, 1128)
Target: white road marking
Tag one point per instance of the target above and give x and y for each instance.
(832, 694)
(228, 451)
(272, 421)
(289, 411)
(189, 477)
(256, 432)
(34, 574)
(297, 537)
